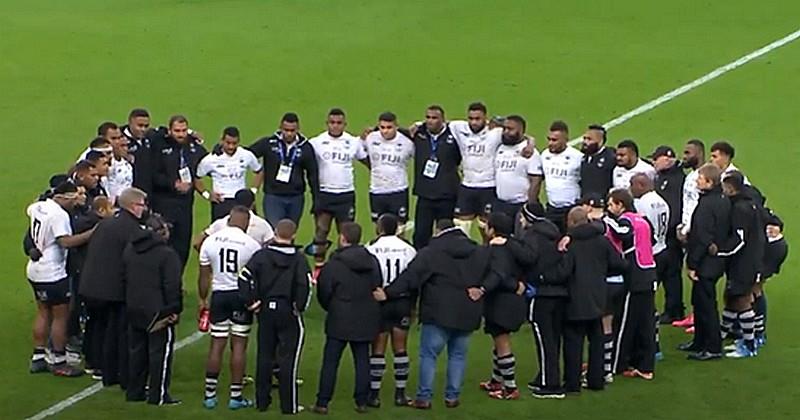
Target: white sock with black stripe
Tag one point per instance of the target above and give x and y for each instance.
(236, 391)
(212, 379)
(726, 326)
(507, 367)
(401, 370)
(747, 322)
(377, 368)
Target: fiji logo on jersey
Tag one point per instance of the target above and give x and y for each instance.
(476, 149)
(507, 165)
(338, 157)
(386, 157)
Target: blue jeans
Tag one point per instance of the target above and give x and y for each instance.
(279, 207)
(432, 342)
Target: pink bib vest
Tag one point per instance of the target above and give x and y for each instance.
(642, 242)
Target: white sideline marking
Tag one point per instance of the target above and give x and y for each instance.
(719, 71)
(95, 388)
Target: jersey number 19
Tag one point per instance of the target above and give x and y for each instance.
(228, 260)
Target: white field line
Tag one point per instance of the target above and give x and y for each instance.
(719, 71)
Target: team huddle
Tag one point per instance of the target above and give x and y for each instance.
(109, 240)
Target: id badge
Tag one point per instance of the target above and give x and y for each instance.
(185, 175)
(284, 173)
(273, 305)
(431, 167)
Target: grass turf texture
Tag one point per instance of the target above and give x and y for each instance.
(67, 67)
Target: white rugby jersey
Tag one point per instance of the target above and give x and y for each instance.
(388, 160)
(49, 221)
(477, 153)
(562, 176)
(622, 175)
(511, 172)
(691, 195)
(120, 177)
(228, 172)
(656, 211)
(731, 168)
(258, 229)
(335, 156)
(227, 251)
(393, 254)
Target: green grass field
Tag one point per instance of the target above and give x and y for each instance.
(66, 66)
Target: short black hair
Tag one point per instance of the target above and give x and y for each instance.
(502, 223)
(65, 188)
(519, 120)
(290, 117)
(103, 128)
(724, 147)
(351, 232)
(244, 197)
(94, 156)
(138, 113)
(629, 144)
(734, 179)
(388, 117)
(437, 108)
(387, 224)
(230, 132)
(443, 224)
(336, 111)
(599, 128)
(559, 125)
(99, 142)
(177, 119)
(82, 166)
(477, 106)
(697, 143)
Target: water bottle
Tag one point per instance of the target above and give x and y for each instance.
(203, 324)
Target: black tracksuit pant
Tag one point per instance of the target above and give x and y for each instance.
(637, 335)
(575, 332)
(426, 213)
(706, 315)
(547, 319)
(668, 270)
(180, 214)
(107, 328)
(150, 363)
(280, 341)
(330, 366)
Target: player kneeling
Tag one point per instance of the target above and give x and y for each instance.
(221, 256)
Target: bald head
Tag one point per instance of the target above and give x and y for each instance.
(285, 231)
(577, 216)
(239, 217)
(641, 184)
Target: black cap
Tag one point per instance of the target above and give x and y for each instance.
(66, 187)
(774, 220)
(593, 200)
(662, 151)
(533, 212)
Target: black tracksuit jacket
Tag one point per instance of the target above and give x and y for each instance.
(711, 223)
(503, 306)
(276, 272)
(637, 279)
(543, 236)
(744, 249)
(669, 185)
(103, 272)
(269, 149)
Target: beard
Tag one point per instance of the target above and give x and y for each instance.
(589, 149)
(509, 140)
(692, 162)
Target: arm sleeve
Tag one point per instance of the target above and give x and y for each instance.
(253, 162)
(617, 265)
(248, 281)
(701, 237)
(325, 286)
(171, 273)
(312, 171)
(621, 228)
(410, 280)
(61, 226)
(302, 284)
(27, 242)
(204, 167)
(204, 257)
(736, 240)
(259, 148)
(535, 165)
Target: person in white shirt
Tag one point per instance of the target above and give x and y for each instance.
(478, 143)
(120, 172)
(258, 229)
(46, 270)
(228, 171)
(694, 155)
(389, 153)
(629, 164)
(335, 150)
(653, 207)
(394, 254)
(222, 255)
(561, 165)
(722, 154)
(518, 178)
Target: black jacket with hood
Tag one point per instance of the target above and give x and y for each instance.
(276, 272)
(543, 237)
(637, 279)
(504, 307)
(344, 290)
(711, 223)
(441, 273)
(152, 279)
(745, 247)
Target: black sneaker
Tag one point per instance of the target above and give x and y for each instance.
(373, 400)
(548, 394)
(167, 402)
(533, 386)
(401, 399)
(688, 346)
(39, 366)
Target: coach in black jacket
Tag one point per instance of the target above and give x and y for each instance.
(275, 283)
(449, 276)
(590, 258)
(154, 300)
(103, 288)
(711, 224)
(345, 290)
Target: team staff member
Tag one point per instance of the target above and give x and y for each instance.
(287, 156)
(52, 235)
(222, 255)
(154, 301)
(275, 284)
(176, 156)
(139, 148)
(599, 161)
(103, 287)
(629, 164)
(335, 150)
(518, 178)
(228, 171)
(561, 165)
(669, 185)
(711, 224)
(344, 291)
(436, 160)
